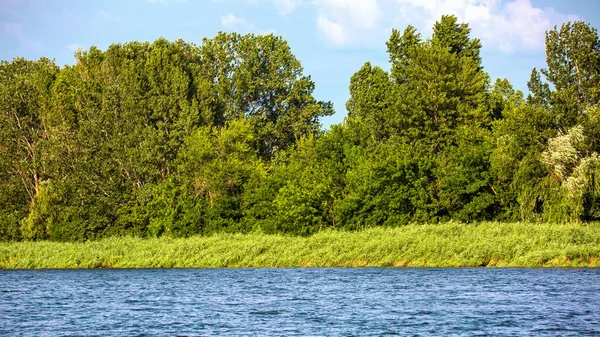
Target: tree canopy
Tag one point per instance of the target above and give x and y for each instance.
(173, 138)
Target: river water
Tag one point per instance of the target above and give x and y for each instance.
(300, 302)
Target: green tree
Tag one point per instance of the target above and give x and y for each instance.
(370, 107)
(298, 195)
(256, 77)
(518, 138)
(573, 59)
(216, 165)
(539, 91)
(24, 102)
(450, 34)
(528, 179)
(433, 108)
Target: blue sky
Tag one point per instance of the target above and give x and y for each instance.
(332, 38)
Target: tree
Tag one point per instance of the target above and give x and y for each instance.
(304, 183)
(573, 59)
(370, 104)
(24, 102)
(256, 77)
(216, 166)
(121, 120)
(539, 91)
(450, 34)
(433, 108)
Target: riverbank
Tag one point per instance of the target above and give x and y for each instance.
(444, 245)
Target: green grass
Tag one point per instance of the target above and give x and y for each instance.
(444, 245)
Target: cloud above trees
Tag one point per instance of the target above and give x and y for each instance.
(508, 25)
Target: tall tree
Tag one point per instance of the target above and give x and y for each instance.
(433, 107)
(371, 102)
(450, 34)
(257, 77)
(539, 91)
(24, 101)
(573, 59)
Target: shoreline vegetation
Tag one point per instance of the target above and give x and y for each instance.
(489, 244)
(171, 154)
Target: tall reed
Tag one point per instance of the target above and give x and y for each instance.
(443, 245)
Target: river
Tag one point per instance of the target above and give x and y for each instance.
(300, 302)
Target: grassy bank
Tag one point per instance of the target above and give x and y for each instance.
(444, 245)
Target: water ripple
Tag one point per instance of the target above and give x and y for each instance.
(299, 302)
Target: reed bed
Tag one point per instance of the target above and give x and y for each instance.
(487, 244)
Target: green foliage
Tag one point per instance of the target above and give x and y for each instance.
(171, 139)
(545, 157)
(24, 101)
(147, 138)
(450, 34)
(386, 186)
(573, 58)
(539, 91)
(258, 78)
(576, 169)
(423, 131)
(442, 245)
(519, 137)
(303, 204)
(370, 107)
(216, 164)
(299, 193)
(40, 220)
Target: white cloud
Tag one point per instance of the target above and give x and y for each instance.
(504, 24)
(348, 22)
(509, 25)
(363, 13)
(233, 22)
(287, 6)
(333, 31)
(342, 22)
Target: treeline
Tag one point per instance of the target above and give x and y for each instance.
(170, 138)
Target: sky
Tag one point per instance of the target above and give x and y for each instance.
(331, 38)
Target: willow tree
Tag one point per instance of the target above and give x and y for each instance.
(545, 160)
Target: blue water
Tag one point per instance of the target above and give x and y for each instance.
(287, 302)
